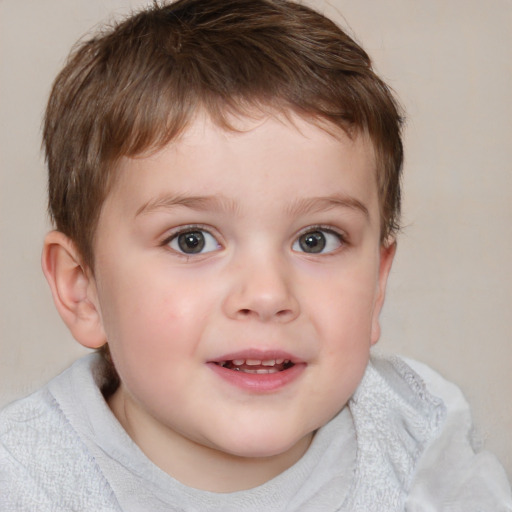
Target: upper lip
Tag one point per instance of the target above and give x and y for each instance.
(257, 355)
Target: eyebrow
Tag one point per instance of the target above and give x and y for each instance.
(318, 204)
(200, 203)
(204, 203)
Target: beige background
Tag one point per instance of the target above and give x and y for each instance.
(450, 295)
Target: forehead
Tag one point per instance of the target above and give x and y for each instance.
(261, 126)
(262, 155)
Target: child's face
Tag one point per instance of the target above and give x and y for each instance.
(239, 278)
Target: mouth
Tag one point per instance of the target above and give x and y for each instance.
(257, 366)
(257, 371)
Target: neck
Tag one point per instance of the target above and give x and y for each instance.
(196, 465)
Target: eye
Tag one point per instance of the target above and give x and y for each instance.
(318, 241)
(194, 241)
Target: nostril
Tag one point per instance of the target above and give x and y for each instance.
(281, 315)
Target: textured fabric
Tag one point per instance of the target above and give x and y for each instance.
(452, 476)
(395, 418)
(44, 466)
(396, 447)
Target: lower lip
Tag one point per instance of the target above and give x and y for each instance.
(259, 382)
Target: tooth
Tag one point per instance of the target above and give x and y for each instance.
(253, 362)
(238, 362)
(279, 361)
(258, 371)
(270, 362)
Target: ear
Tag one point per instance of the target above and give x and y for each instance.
(387, 254)
(73, 289)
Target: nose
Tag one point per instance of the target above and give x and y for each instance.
(262, 291)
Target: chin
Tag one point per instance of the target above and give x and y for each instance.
(266, 445)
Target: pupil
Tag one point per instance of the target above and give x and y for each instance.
(312, 242)
(192, 242)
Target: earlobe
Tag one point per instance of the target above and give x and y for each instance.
(387, 254)
(73, 289)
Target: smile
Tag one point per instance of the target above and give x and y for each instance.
(257, 366)
(257, 371)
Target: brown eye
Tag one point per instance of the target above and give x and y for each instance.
(195, 241)
(313, 242)
(318, 241)
(192, 242)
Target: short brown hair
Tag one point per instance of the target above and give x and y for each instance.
(135, 86)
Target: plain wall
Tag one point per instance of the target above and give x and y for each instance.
(450, 295)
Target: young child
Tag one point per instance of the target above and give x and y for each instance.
(224, 178)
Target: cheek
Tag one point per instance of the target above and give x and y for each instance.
(154, 337)
(344, 306)
(343, 321)
(147, 319)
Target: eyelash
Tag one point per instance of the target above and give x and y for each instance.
(187, 229)
(342, 238)
(325, 230)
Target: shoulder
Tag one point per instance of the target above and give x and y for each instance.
(395, 418)
(31, 425)
(415, 454)
(438, 386)
(44, 465)
(451, 473)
